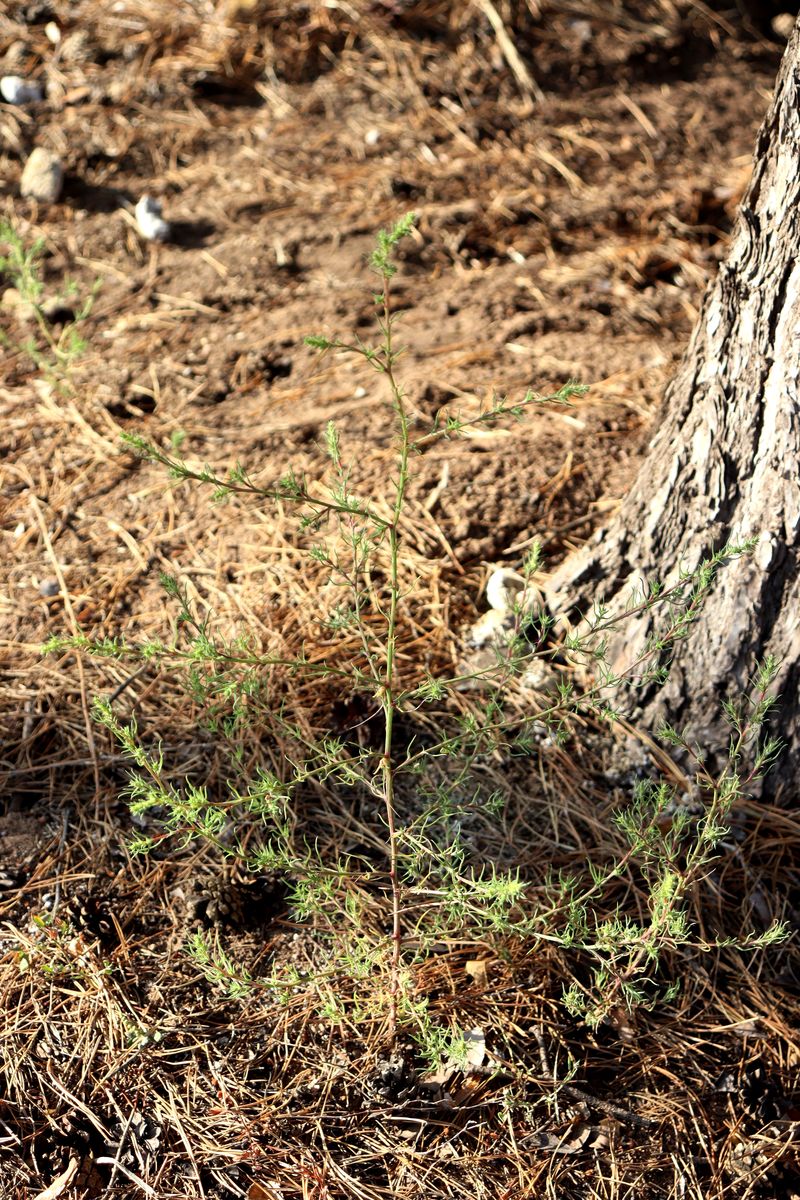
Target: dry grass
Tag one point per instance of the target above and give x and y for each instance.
(674, 1103)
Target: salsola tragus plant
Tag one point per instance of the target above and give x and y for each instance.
(51, 352)
(420, 793)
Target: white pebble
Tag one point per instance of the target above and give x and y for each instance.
(783, 25)
(582, 30)
(504, 589)
(42, 177)
(150, 223)
(492, 627)
(372, 136)
(16, 90)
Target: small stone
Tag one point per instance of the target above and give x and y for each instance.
(16, 90)
(783, 25)
(539, 676)
(504, 589)
(49, 587)
(149, 222)
(582, 31)
(491, 628)
(52, 32)
(43, 176)
(372, 137)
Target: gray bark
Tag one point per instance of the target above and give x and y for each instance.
(724, 465)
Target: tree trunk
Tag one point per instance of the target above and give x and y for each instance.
(724, 465)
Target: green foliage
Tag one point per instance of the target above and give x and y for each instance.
(382, 259)
(217, 966)
(423, 797)
(52, 354)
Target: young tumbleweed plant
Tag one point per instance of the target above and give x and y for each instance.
(422, 793)
(52, 353)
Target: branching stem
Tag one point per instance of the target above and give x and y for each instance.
(389, 699)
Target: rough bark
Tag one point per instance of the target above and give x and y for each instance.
(724, 465)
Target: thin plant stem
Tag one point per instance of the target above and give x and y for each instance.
(389, 699)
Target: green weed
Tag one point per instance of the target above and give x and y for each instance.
(423, 794)
(53, 354)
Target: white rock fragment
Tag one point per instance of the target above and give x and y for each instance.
(372, 137)
(16, 90)
(149, 221)
(491, 628)
(538, 676)
(783, 25)
(506, 593)
(475, 1047)
(52, 32)
(582, 31)
(503, 589)
(42, 177)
